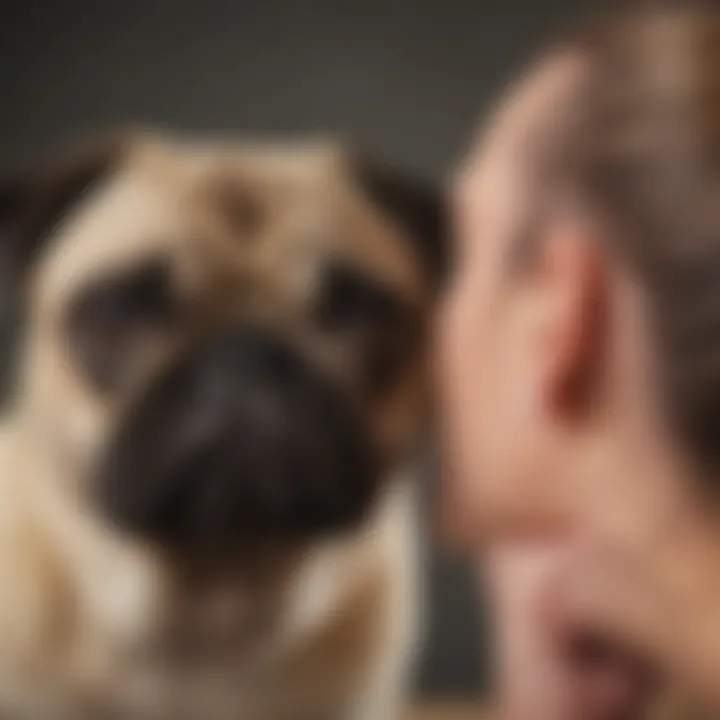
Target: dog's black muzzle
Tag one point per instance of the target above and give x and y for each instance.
(241, 438)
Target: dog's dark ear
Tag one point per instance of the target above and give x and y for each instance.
(417, 205)
(33, 200)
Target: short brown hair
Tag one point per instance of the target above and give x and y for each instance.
(645, 153)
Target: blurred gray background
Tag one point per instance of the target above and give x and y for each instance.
(406, 78)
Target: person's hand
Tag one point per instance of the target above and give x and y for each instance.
(660, 598)
(646, 573)
(543, 674)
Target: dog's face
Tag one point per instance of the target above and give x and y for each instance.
(222, 341)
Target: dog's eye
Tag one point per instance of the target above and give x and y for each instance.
(351, 301)
(116, 319)
(374, 322)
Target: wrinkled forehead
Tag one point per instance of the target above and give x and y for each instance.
(168, 197)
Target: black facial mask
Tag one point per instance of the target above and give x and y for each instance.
(240, 439)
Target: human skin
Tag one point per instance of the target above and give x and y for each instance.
(542, 674)
(544, 485)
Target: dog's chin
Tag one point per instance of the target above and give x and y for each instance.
(240, 440)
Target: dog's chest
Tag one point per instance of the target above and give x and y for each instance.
(206, 657)
(229, 650)
(282, 633)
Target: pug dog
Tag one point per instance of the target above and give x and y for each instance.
(206, 493)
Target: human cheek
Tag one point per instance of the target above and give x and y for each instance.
(456, 339)
(457, 365)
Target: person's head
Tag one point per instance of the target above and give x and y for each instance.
(583, 318)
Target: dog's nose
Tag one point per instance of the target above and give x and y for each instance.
(241, 350)
(240, 436)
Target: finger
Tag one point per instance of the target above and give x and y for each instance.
(612, 683)
(618, 606)
(603, 593)
(538, 676)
